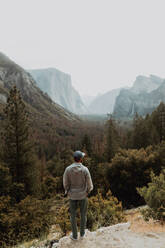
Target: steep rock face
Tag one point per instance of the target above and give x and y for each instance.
(59, 87)
(105, 103)
(143, 97)
(12, 74)
(146, 84)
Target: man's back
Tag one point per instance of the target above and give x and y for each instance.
(77, 184)
(77, 181)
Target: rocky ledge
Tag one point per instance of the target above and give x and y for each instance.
(119, 236)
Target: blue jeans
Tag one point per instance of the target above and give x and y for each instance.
(83, 212)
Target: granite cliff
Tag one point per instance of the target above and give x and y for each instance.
(146, 84)
(58, 86)
(12, 74)
(142, 98)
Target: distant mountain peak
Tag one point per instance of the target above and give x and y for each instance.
(146, 84)
(12, 74)
(104, 103)
(143, 97)
(58, 85)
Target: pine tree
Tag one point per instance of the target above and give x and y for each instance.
(18, 150)
(141, 135)
(154, 196)
(158, 119)
(112, 140)
(86, 144)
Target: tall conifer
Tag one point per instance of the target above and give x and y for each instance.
(18, 151)
(86, 144)
(158, 119)
(112, 140)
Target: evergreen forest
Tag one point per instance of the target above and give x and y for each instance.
(126, 159)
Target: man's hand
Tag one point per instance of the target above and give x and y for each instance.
(65, 195)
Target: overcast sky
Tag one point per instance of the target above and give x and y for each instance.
(103, 44)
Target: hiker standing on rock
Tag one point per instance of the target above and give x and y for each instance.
(77, 184)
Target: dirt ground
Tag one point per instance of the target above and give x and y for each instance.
(136, 233)
(140, 226)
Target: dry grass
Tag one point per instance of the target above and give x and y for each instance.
(140, 226)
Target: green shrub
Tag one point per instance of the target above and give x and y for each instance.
(51, 186)
(101, 212)
(130, 169)
(154, 196)
(4, 220)
(27, 220)
(63, 219)
(17, 192)
(104, 211)
(5, 180)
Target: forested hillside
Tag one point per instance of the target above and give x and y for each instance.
(120, 158)
(126, 161)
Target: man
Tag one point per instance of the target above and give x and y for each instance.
(77, 184)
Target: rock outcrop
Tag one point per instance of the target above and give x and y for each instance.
(119, 236)
(58, 86)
